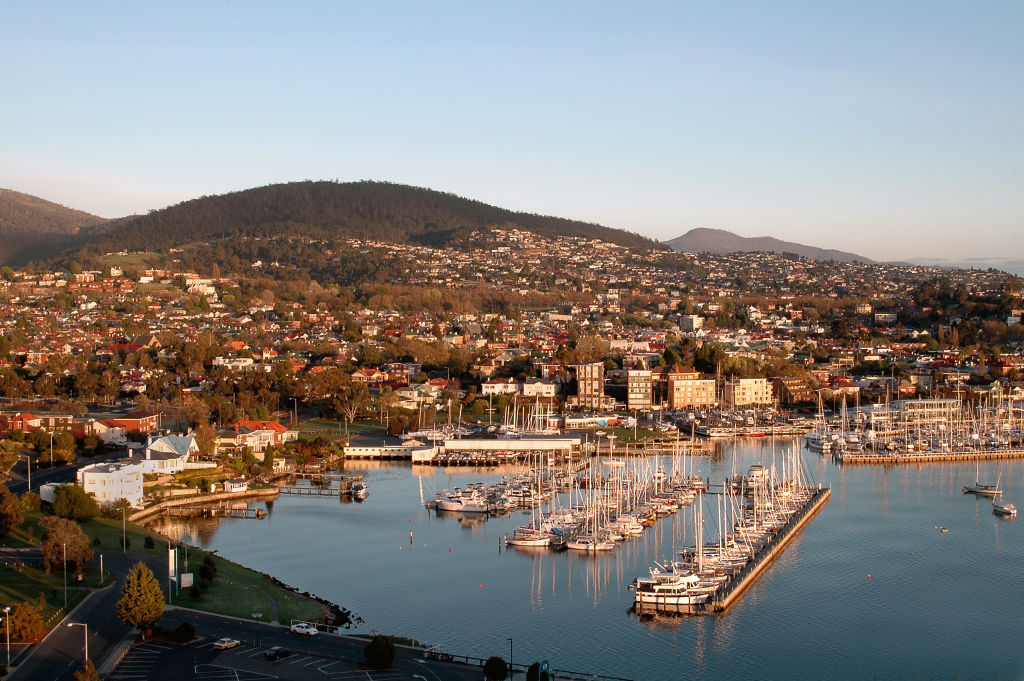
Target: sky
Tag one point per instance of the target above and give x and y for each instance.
(890, 129)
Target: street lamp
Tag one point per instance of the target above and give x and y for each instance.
(123, 531)
(83, 624)
(7, 624)
(64, 549)
(28, 465)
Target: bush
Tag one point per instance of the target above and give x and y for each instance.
(74, 503)
(149, 542)
(533, 672)
(206, 573)
(495, 668)
(185, 632)
(30, 502)
(379, 652)
(195, 592)
(126, 542)
(96, 541)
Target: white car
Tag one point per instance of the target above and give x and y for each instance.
(226, 643)
(304, 628)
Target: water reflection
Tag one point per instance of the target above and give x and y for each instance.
(880, 520)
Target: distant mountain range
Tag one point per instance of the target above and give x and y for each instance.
(31, 227)
(719, 241)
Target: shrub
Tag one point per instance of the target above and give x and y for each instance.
(195, 592)
(126, 542)
(149, 542)
(379, 652)
(495, 668)
(185, 632)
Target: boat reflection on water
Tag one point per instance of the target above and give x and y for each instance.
(467, 520)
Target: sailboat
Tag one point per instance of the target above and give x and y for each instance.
(980, 488)
(1003, 508)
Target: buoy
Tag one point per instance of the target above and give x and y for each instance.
(869, 575)
(481, 586)
(449, 549)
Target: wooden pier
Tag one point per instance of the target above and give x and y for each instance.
(315, 491)
(725, 598)
(220, 511)
(890, 459)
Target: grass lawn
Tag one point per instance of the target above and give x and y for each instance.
(108, 531)
(240, 592)
(25, 584)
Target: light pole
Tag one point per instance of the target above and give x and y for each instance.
(64, 549)
(83, 624)
(510, 672)
(28, 465)
(124, 534)
(7, 624)
(51, 450)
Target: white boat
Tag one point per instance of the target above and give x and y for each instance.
(1003, 508)
(469, 500)
(360, 490)
(670, 591)
(589, 543)
(528, 536)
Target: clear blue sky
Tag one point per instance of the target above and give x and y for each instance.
(891, 129)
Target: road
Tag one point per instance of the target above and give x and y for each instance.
(42, 475)
(335, 657)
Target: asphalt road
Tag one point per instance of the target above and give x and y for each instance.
(327, 657)
(43, 474)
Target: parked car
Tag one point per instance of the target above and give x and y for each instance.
(226, 643)
(304, 628)
(276, 653)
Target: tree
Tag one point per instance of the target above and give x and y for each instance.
(379, 652)
(268, 459)
(142, 600)
(73, 502)
(10, 511)
(64, 539)
(87, 672)
(26, 622)
(495, 669)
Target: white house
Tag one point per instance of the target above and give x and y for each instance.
(166, 454)
(108, 482)
(540, 387)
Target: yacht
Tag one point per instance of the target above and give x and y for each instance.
(1003, 508)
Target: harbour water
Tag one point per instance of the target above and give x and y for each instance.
(872, 588)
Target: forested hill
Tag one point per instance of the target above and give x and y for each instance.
(366, 210)
(31, 227)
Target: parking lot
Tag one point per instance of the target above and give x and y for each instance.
(199, 660)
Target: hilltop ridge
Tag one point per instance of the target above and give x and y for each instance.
(720, 241)
(32, 227)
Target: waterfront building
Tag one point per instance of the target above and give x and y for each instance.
(747, 391)
(638, 389)
(687, 390)
(792, 389)
(589, 385)
(108, 482)
(927, 411)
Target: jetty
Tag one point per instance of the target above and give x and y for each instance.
(927, 456)
(742, 580)
(221, 510)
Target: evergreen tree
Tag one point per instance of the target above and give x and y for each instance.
(142, 600)
(71, 501)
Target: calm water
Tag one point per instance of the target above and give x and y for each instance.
(936, 606)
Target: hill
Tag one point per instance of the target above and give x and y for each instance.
(702, 240)
(31, 227)
(365, 210)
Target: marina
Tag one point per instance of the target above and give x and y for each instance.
(444, 583)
